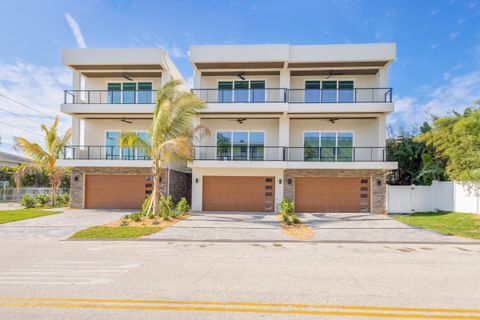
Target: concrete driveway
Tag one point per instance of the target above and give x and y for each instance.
(225, 226)
(58, 226)
(362, 227)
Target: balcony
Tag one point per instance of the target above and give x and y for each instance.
(104, 153)
(355, 95)
(110, 96)
(304, 154)
(264, 95)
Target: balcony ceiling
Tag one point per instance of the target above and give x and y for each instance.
(119, 74)
(338, 72)
(117, 67)
(240, 65)
(337, 64)
(245, 73)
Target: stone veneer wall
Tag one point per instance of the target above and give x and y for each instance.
(179, 182)
(378, 192)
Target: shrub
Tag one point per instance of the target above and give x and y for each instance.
(63, 200)
(42, 199)
(287, 207)
(145, 204)
(182, 207)
(165, 207)
(136, 216)
(27, 201)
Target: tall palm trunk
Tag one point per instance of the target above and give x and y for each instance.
(156, 186)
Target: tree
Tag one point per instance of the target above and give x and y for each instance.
(44, 159)
(457, 139)
(417, 163)
(171, 133)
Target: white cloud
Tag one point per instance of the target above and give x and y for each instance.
(453, 36)
(39, 87)
(434, 12)
(460, 92)
(460, 21)
(434, 46)
(77, 33)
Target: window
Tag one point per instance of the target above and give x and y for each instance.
(240, 145)
(331, 91)
(241, 91)
(345, 91)
(113, 151)
(129, 92)
(327, 146)
(145, 92)
(114, 92)
(312, 91)
(225, 91)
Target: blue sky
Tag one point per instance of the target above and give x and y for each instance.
(438, 42)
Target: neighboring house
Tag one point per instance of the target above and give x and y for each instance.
(115, 90)
(11, 160)
(306, 123)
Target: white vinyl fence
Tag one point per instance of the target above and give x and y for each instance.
(444, 196)
(14, 194)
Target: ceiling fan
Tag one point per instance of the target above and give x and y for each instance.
(332, 120)
(127, 76)
(126, 121)
(241, 75)
(239, 120)
(335, 73)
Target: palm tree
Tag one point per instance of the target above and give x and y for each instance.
(171, 133)
(44, 159)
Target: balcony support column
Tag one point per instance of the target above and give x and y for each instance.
(165, 78)
(283, 133)
(75, 131)
(382, 137)
(77, 80)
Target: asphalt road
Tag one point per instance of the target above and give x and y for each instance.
(51, 279)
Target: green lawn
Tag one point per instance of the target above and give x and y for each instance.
(452, 223)
(102, 232)
(22, 214)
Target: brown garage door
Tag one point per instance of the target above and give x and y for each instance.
(115, 191)
(254, 194)
(332, 194)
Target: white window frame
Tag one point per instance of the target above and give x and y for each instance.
(248, 144)
(249, 89)
(336, 140)
(121, 91)
(121, 148)
(321, 90)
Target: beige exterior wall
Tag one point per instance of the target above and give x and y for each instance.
(95, 130)
(102, 83)
(211, 82)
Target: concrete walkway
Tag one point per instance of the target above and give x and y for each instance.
(369, 228)
(58, 226)
(225, 226)
(10, 206)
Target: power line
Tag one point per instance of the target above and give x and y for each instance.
(21, 116)
(26, 106)
(11, 125)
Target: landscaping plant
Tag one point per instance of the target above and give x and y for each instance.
(287, 211)
(44, 159)
(42, 199)
(182, 207)
(27, 201)
(63, 200)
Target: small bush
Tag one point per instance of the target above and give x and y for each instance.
(145, 205)
(27, 201)
(136, 216)
(42, 199)
(166, 207)
(182, 207)
(63, 200)
(287, 207)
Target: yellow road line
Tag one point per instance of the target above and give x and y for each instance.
(243, 310)
(250, 304)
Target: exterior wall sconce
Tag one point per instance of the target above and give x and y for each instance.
(289, 181)
(196, 180)
(379, 182)
(76, 178)
(279, 181)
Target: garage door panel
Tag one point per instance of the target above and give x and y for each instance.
(115, 191)
(332, 194)
(238, 193)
